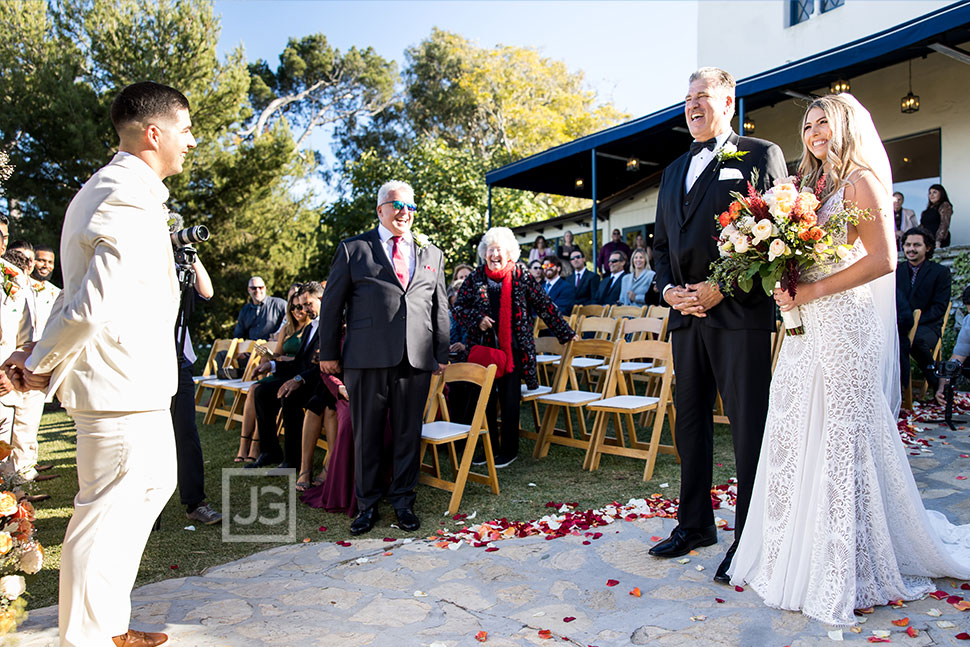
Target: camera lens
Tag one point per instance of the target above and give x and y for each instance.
(190, 235)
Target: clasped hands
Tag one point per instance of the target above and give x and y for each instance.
(694, 298)
(16, 376)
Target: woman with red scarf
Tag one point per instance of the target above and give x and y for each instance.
(497, 305)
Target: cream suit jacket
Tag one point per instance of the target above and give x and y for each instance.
(45, 293)
(110, 338)
(16, 317)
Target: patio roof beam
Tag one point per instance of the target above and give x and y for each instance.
(955, 53)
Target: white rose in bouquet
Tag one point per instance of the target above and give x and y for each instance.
(761, 230)
(741, 243)
(777, 248)
(12, 586)
(32, 560)
(746, 223)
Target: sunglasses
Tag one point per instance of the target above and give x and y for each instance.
(616, 260)
(257, 287)
(399, 204)
(298, 307)
(547, 266)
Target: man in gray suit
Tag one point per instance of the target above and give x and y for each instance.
(390, 289)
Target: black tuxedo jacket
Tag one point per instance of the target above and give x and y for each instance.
(384, 319)
(929, 294)
(587, 288)
(685, 237)
(607, 294)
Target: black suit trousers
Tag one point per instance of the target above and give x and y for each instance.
(267, 409)
(924, 341)
(188, 449)
(738, 363)
(378, 396)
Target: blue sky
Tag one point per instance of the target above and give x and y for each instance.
(638, 54)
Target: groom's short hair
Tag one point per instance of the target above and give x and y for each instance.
(140, 103)
(717, 77)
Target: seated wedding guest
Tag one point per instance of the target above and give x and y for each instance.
(961, 350)
(568, 245)
(261, 315)
(927, 288)
(610, 285)
(539, 250)
(333, 490)
(286, 347)
(289, 295)
(905, 218)
(560, 290)
(936, 217)
(462, 270)
(320, 417)
(585, 282)
(535, 269)
(494, 307)
(615, 245)
(635, 285)
(293, 384)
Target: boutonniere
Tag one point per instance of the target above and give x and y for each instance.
(429, 268)
(38, 286)
(421, 240)
(10, 285)
(729, 152)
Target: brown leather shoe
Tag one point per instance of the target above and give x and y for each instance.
(133, 638)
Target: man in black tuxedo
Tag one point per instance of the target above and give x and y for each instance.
(609, 290)
(585, 282)
(560, 290)
(391, 290)
(293, 383)
(720, 343)
(926, 286)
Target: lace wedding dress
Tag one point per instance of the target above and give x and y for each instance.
(836, 521)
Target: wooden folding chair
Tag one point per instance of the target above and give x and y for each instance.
(627, 311)
(638, 329)
(445, 432)
(936, 349)
(591, 310)
(908, 391)
(565, 400)
(551, 352)
(240, 390)
(661, 312)
(210, 371)
(217, 405)
(620, 404)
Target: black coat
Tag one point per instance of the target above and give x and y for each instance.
(608, 293)
(929, 294)
(685, 238)
(587, 288)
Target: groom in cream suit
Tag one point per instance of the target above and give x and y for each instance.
(108, 352)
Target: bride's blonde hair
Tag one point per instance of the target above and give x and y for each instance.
(845, 153)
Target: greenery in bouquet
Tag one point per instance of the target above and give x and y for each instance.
(774, 236)
(20, 552)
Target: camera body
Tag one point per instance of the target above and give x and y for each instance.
(951, 370)
(184, 240)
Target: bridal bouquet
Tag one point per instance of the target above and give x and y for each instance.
(773, 237)
(20, 552)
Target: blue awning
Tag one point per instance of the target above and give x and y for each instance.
(658, 138)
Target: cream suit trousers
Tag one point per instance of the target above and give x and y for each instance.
(126, 472)
(26, 421)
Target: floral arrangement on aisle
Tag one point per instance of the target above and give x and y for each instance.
(20, 552)
(774, 237)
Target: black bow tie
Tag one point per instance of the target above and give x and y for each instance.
(696, 147)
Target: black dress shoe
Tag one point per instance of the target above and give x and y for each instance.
(407, 520)
(683, 540)
(264, 460)
(722, 570)
(364, 521)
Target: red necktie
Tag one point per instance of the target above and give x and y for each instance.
(400, 265)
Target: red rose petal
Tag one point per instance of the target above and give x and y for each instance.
(568, 619)
(586, 542)
(389, 539)
(491, 549)
(322, 529)
(739, 589)
(965, 586)
(612, 582)
(719, 600)
(953, 599)
(343, 543)
(545, 634)
(877, 639)
(656, 538)
(963, 636)
(174, 567)
(912, 632)
(481, 636)
(902, 622)
(939, 595)
(636, 592)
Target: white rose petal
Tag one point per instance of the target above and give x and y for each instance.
(12, 586)
(31, 561)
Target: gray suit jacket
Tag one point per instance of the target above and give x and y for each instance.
(382, 318)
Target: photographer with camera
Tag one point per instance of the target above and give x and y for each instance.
(961, 350)
(195, 284)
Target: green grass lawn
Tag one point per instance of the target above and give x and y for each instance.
(176, 552)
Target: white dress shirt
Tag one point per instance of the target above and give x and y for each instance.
(700, 161)
(551, 283)
(406, 245)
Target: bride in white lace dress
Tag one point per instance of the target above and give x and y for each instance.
(836, 520)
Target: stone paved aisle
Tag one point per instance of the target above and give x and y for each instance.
(414, 593)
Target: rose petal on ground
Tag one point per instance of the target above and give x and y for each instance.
(878, 639)
(936, 613)
(896, 604)
(939, 595)
(389, 539)
(698, 568)
(961, 478)
(719, 600)
(880, 633)
(655, 538)
(965, 586)
(586, 542)
(174, 567)
(962, 605)
(306, 540)
(867, 611)
(953, 599)
(322, 529)
(343, 543)
(568, 619)
(856, 630)
(683, 560)
(693, 553)
(481, 636)
(902, 622)
(912, 632)
(545, 634)
(698, 618)
(420, 594)
(612, 582)
(739, 589)
(945, 624)
(962, 636)
(636, 592)
(835, 634)
(491, 549)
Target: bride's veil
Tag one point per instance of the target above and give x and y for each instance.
(873, 154)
